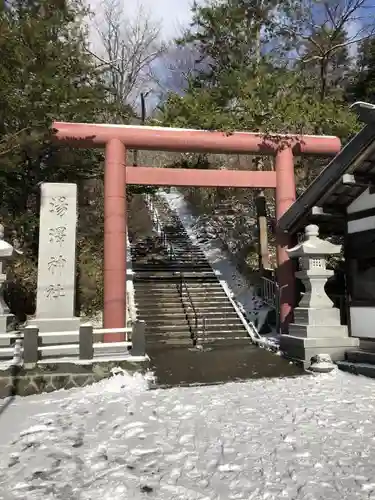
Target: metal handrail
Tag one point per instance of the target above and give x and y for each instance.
(270, 289)
(182, 282)
(158, 225)
(195, 330)
(271, 294)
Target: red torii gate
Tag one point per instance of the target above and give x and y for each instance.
(116, 138)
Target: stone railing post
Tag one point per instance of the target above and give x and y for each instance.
(138, 339)
(30, 345)
(316, 328)
(86, 342)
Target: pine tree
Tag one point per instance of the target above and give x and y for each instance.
(46, 74)
(362, 87)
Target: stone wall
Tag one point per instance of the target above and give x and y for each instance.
(52, 377)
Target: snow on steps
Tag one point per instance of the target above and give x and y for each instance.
(175, 219)
(365, 369)
(236, 287)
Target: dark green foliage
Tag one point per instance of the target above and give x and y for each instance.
(362, 87)
(251, 81)
(45, 74)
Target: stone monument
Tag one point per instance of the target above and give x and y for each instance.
(7, 253)
(317, 328)
(57, 261)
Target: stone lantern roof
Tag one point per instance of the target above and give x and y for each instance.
(313, 245)
(6, 249)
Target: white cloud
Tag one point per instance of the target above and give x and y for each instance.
(354, 31)
(172, 14)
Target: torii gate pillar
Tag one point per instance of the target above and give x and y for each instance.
(114, 311)
(285, 197)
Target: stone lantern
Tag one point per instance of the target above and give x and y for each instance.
(312, 254)
(7, 253)
(317, 328)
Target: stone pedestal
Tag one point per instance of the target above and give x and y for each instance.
(56, 261)
(316, 328)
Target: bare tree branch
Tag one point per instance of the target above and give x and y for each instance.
(177, 65)
(130, 46)
(324, 31)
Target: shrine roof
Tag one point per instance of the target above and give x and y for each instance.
(350, 173)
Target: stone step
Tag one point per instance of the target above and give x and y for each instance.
(155, 333)
(178, 314)
(167, 266)
(192, 285)
(360, 356)
(172, 325)
(220, 332)
(183, 251)
(175, 307)
(163, 294)
(167, 292)
(170, 291)
(170, 264)
(185, 247)
(173, 278)
(365, 369)
(216, 343)
(208, 291)
(181, 254)
(177, 268)
(200, 306)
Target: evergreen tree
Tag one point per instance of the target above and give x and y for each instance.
(254, 88)
(46, 74)
(362, 86)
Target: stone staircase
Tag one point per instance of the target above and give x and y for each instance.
(164, 302)
(360, 361)
(177, 293)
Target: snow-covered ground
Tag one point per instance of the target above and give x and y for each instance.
(230, 278)
(308, 438)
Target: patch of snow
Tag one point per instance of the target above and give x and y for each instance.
(308, 437)
(131, 309)
(115, 357)
(252, 306)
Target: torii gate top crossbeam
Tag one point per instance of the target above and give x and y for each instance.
(188, 140)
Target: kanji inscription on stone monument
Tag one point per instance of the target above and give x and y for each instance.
(57, 234)
(56, 263)
(59, 205)
(55, 291)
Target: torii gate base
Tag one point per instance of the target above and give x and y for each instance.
(116, 138)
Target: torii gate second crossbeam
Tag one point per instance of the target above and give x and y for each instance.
(117, 138)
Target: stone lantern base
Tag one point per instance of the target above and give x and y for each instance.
(317, 331)
(303, 349)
